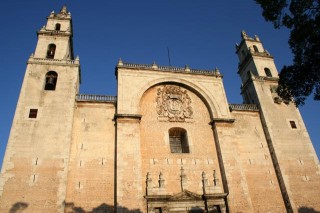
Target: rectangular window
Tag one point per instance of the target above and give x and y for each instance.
(33, 113)
(293, 125)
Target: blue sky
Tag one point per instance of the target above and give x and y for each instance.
(201, 34)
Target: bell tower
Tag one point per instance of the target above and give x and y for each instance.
(35, 166)
(293, 156)
(55, 38)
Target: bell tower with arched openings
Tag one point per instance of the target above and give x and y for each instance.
(55, 38)
(291, 150)
(38, 148)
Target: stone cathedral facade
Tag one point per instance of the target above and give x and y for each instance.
(168, 142)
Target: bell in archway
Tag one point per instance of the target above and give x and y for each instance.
(51, 83)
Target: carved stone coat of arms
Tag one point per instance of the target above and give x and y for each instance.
(173, 104)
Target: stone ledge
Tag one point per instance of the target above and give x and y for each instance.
(129, 116)
(222, 120)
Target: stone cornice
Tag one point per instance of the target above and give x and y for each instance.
(155, 67)
(215, 196)
(222, 120)
(64, 62)
(250, 55)
(59, 17)
(258, 79)
(54, 33)
(128, 116)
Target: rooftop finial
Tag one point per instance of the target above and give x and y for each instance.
(217, 71)
(154, 65)
(64, 9)
(187, 68)
(120, 63)
(244, 34)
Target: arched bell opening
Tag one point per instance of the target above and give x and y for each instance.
(58, 26)
(51, 51)
(268, 72)
(51, 80)
(255, 48)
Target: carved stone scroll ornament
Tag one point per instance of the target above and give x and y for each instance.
(173, 104)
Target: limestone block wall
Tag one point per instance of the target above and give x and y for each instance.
(36, 160)
(252, 183)
(91, 169)
(293, 148)
(156, 155)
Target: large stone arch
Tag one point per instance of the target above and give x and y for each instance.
(211, 103)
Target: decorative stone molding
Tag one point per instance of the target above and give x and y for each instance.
(211, 200)
(183, 179)
(211, 188)
(64, 62)
(173, 104)
(161, 180)
(277, 100)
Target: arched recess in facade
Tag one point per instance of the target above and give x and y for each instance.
(211, 103)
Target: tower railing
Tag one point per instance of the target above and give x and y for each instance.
(243, 107)
(96, 98)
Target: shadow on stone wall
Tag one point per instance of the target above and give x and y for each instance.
(103, 208)
(18, 207)
(307, 210)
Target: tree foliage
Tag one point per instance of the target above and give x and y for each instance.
(302, 17)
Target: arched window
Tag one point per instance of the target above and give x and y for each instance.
(51, 50)
(58, 26)
(178, 140)
(51, 80)
(255, 48)
(268, 72)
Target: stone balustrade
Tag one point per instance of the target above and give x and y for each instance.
(96, 98)
(243, 107)
(153, 66)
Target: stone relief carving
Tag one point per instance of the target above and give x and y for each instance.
(173, 104)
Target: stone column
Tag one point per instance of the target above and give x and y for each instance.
(129, 194)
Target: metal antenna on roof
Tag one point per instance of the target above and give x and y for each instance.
(169, 56)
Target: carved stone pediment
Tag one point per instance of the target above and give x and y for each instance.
(173, 104)
(185, 195)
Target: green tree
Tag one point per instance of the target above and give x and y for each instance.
(302, 17)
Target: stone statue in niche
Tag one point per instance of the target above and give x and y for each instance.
(173, 104)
